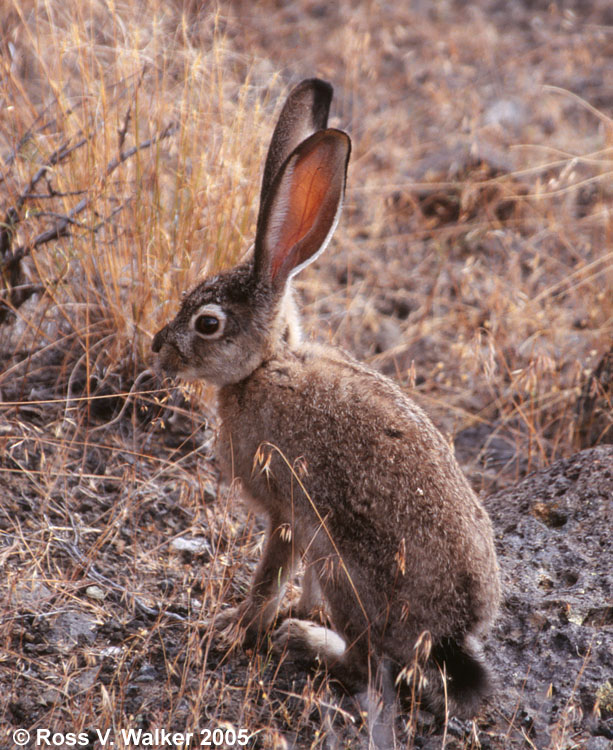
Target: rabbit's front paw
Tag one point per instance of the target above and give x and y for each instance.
(231, 628)
(228, 626)
(305, 641)
(239, 626)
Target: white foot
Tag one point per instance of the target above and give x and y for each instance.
(308, 641)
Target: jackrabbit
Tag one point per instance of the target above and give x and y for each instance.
(352, 476)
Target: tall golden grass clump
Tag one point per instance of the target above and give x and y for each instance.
(131, 148)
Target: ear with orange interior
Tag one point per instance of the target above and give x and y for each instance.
(302, 207)
(304, 113)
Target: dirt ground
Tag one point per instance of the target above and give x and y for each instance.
(473, 265)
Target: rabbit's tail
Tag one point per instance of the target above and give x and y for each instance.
(468, 680)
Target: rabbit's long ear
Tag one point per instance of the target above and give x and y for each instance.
(305, 112)
(302, 208)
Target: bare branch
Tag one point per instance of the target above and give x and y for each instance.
(62, 225)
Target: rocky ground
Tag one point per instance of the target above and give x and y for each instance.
(552, 649)
(134, 636)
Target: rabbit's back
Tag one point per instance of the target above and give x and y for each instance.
(316, 436)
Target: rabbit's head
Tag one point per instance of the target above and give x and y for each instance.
(232, 322)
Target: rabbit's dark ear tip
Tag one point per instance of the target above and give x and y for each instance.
(323, 88)
(316, 83)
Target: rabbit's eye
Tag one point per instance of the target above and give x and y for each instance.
(209, 321)
(206, 325)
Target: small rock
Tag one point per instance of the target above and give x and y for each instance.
(71, 626)
(193, 546)
(49, 697)
(95, 592)
(30, 593)
(85, 680)
(147, 673)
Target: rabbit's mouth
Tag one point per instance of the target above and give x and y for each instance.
(170, 362)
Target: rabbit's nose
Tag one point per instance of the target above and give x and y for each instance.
(159, 339)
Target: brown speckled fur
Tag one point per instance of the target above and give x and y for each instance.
(352, 475)
(384, 480)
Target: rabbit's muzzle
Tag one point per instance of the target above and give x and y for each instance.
(159, 340)
(164, 343)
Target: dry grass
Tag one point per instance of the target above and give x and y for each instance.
(130, 139)
(473, 263)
